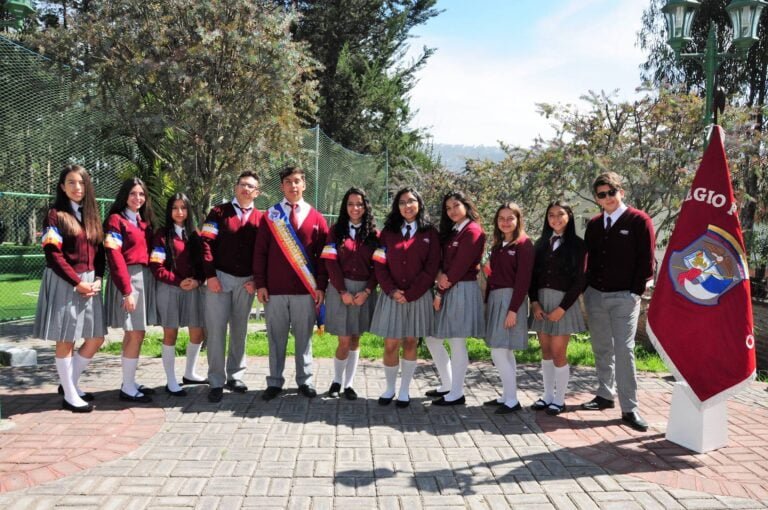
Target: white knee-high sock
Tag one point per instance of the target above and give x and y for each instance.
(349, 372)
(169, 364)
(390, 376)
(507, 367)
(407, 368)
(64, 368)
(129, 375)
(79, 364)
(193, 352)
(338, 369)
(548, 376)
(562, 374)
(459, 365)
(442, 361)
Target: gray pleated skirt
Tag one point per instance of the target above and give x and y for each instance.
(571, 322)
(497, 336)
(63, 314)
(143, 284)
(393, 320)
(461, 313)
(178, 308)
(343, 320)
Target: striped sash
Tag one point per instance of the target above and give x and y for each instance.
(291, 246)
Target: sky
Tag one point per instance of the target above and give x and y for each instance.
(496, 59)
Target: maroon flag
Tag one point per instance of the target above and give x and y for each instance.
(700, 317)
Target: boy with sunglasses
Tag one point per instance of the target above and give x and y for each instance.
(620, 261)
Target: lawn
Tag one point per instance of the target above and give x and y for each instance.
(18, 298)
(371, 347)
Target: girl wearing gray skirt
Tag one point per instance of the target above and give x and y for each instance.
(348, 258)
(457, 303)
(176, 262)
(131, 293)
(406, 265)
(69, 306)
(509, 276)
(558, 280)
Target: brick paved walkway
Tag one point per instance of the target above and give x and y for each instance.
(297, 453)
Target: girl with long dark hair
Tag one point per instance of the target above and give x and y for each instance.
(131, 294)
(458, 302)
(406, 265)
(348, 257)
(69, 306)
(177, 263)
(510, 268)
(558, 280)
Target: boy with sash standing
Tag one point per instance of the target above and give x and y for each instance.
(229, 235)
(290, 281)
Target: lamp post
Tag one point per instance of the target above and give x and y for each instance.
(744, 14)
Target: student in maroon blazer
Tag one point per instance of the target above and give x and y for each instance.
(131, 293)
(406, 266)
(290, 280)
(458, 301)
(348, 258)
(69, 305)
(506, 330)
(620, 261)
(177, 263)
(558, 280)
(229, 236)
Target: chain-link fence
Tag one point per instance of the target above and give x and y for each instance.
(41, 131)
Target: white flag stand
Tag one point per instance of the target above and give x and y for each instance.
(696, 429)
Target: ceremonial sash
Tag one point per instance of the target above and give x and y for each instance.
(291, 246)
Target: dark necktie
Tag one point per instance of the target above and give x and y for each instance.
(407, 232)
(293, 217)
(356, 230)
(184, 235)
(553, 241)
(608, 224)
(80, 218)
(243, 214)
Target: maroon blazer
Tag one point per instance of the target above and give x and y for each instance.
(71, 255)
(623, 257)
(353, 260)
(126, 244)
(186, 266)
(511, 266)
(412, 265)
(552, 271)
(228, 246)
(462, 253)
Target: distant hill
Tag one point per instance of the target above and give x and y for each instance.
(454, 156)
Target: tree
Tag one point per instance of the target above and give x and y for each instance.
(204, 89)
(364, 81)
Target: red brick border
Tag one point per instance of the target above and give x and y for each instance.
(46, 443)
(740, 469)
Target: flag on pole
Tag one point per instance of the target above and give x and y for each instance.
(700, 316)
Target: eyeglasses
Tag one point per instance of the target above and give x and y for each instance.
(249, 187)
(609, 193)
(410, 201)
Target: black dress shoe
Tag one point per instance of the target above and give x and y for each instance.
(236, 385)
(494, 403)
(192, 381)
(635, 421)
(402, 404)
(334, 390)
(215, 395)
(308, 391)
(442, 402)
(539, 405)
(350, 394)
(271, 392)
(554, 409)
(180, 393)
(146, 389)
(87, 408)
(141, 398)
(505, 409)
(436, 393)
(88, 397)
(385, 401)
(598, 404)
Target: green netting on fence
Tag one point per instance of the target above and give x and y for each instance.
(41, 130)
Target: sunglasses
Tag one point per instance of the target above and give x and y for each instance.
(609, 193)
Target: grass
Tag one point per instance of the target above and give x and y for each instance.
(372, 348)
(18, 298)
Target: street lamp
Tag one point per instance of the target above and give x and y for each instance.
(744, 14)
